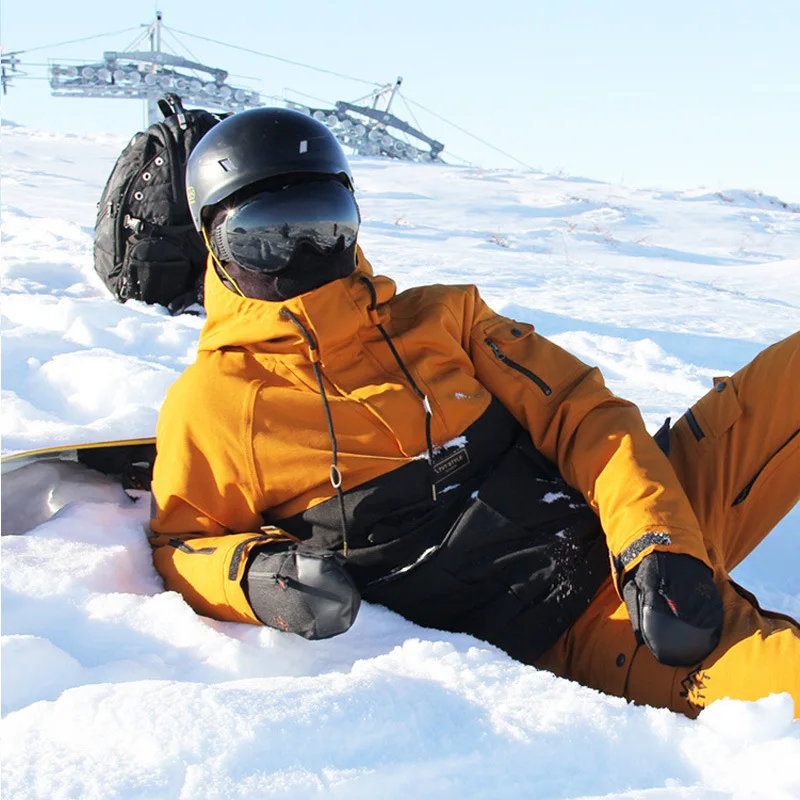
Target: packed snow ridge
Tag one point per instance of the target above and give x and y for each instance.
(113, 688)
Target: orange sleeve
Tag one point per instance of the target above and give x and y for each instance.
(208, 571)
(597, 440)
(203, 489)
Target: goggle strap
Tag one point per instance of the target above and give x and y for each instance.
(219, 264)
(220, 244)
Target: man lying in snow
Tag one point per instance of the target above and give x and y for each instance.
(335, 440)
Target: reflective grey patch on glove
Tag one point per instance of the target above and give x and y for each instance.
(675, 607)
(301, 591)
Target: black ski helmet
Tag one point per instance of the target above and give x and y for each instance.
(253, 146)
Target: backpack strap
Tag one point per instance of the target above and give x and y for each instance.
(143, 226)
(171, 105)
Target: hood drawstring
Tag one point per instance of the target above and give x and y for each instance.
(335, 472)
(373, 314)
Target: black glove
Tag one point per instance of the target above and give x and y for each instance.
(675, 607)
(301, 591)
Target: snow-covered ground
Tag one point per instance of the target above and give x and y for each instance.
(113, 688)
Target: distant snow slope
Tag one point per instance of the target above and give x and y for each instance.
(113, 688)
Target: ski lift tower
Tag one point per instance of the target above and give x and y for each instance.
(147, 75)
(9, 69)
(373, 131)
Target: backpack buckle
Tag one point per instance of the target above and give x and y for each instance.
(132, 223)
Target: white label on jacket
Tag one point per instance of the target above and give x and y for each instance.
(447, 465)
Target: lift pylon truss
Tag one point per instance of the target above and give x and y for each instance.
(147, 75)
(372, 131)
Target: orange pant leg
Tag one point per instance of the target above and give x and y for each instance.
(737, 454)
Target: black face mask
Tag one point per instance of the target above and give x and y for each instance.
(307, 271)
(270, 230)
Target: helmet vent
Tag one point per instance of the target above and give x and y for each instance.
(304, 146)
(227, 165)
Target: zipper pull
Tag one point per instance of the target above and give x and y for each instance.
(495, 349)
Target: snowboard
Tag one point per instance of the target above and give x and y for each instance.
(37, 484)
(128, 460)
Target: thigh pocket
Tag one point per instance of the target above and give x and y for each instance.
(775, 462)
(714, 413)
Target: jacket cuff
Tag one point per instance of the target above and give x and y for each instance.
(207, 572)
(649, 541)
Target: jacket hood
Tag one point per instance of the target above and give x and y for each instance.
(333, 313)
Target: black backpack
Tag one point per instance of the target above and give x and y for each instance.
(145, 246)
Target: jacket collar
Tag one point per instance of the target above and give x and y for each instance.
(333, 314)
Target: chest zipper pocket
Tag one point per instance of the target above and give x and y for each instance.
(498, 352)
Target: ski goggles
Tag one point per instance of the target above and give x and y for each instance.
(265, 230)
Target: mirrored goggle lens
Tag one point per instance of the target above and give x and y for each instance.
(265, 231)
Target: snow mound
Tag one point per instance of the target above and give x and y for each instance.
(114, 688)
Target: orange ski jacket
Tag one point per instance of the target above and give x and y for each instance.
(352, 383)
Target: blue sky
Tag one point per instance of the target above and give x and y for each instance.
(671, 94)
